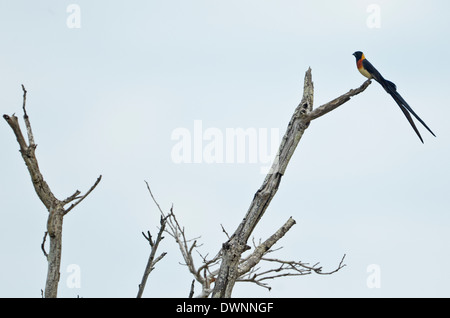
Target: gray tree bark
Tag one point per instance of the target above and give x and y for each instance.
(237, 244)
(154, 244)
(55, 207)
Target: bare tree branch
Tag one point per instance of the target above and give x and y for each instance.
(27, 119)
(54, 206)
(232, 266)
(285, 269)
(335, 103)
(43, 244)
(74, 196)
(253, 259)
(237, 243)
(207, 273)
(154, 200)
(224, 231)
(151, 259)
(28, 154)
(203, 274)
(191, 292)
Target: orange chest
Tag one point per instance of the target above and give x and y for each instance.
(362, 70)
(359, 63)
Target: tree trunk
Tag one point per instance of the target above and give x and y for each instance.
(54, 206)
(300, 120)
(237, 244)
(54, 230)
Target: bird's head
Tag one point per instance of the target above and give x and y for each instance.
(358, 55)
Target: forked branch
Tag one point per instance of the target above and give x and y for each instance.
(154, 247)
(54, 206)
(237, 244)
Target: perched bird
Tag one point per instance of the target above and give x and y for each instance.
(369, 71)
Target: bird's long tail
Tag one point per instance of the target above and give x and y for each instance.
(392, 90)
(408, 116)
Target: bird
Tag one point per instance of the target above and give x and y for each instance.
(369, 71)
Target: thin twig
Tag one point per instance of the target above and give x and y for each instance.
(43, 244)
(331, 105)
(84, 196)
(154, 200)
(224, 231)
(72, 197)
(148, 238)
(27, 119)
(191, 292)
(154, 246)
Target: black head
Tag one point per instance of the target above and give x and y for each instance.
(358, 54)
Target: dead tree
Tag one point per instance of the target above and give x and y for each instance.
(249, 266)
(56, 208)
(231, 267)
(154, 244)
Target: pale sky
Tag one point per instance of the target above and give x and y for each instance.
(107, 94)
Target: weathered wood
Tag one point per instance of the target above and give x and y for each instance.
(154, 247)
(325, 108)
(237, 244)
(54, 229)
(252, 260)
(54, 206)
